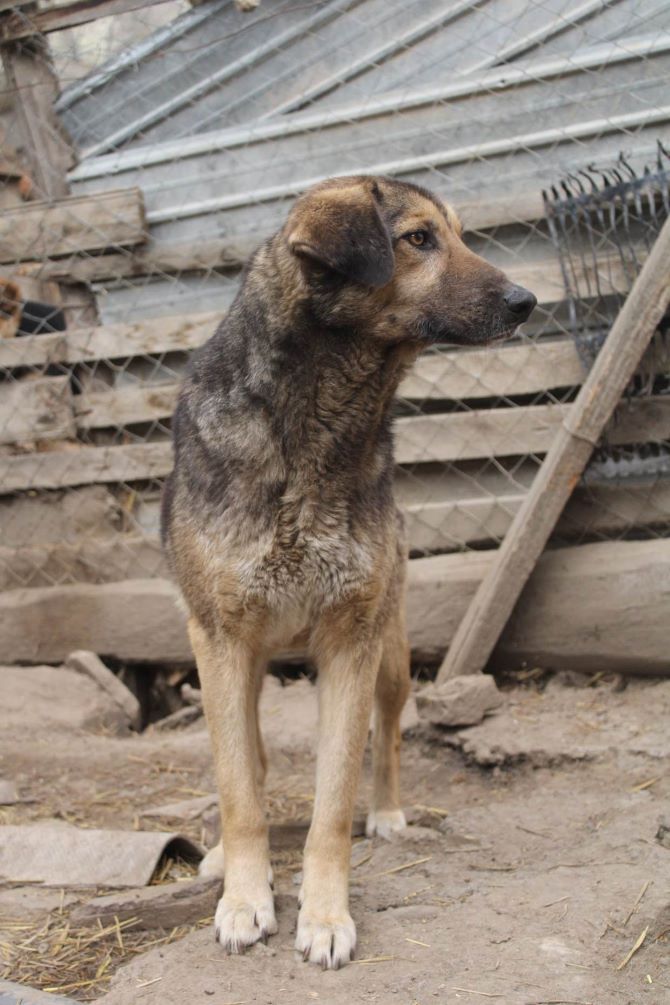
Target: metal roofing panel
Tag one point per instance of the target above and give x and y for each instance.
(215, 67)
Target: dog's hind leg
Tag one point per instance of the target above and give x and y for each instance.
(228, 672)
(326, 933)
(393, 686)
(212, 863)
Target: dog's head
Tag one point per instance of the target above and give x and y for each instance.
(387, 257)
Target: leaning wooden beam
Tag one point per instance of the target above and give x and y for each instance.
(586, 591)
(73, 224)
(575, 439)
(25, 23)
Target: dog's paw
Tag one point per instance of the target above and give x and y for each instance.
(212, 863)
(328, 943)
(246, 4)
(385, 823)
(239, 924)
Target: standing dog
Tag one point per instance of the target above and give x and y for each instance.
(279, 519)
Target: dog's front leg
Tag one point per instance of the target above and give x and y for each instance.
(228, 676)
(347, 674)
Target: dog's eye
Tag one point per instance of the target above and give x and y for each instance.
(418, 238)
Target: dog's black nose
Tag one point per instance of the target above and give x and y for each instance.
(520, 302)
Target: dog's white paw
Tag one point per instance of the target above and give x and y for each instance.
(212, 863)
(239, 923)
(385, 823)
(246, 4)
(330, 943)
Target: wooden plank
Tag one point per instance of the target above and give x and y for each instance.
(486, 373)
(506, 432)
(73, 225)
(156, 335)
(124, 406)
(424, 439)
(36, 410)
(580, 431)
(599, 606)
(449, 523)
(495, 372)
(90, 560)
(23, 25)
(33, 351)
(85, 466)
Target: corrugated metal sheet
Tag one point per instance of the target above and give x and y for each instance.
(459, 95)
(216, 67)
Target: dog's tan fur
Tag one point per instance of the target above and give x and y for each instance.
(280, 523)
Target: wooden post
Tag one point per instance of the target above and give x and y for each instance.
(43, 148)
(524, 542)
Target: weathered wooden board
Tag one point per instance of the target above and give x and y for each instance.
(425, 439)
(443, 524)
(489, 373)
(513, 370)
(73, 225)
(85, 466)
(502, 432)
(597, 607)
(165, 334)
(33, 351)
(90, 560)
(36, 410)
(453, 523)
(126, 405)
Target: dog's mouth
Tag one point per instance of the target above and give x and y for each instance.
(432, 331)
(504, 335)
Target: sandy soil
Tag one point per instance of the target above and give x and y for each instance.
(529, 871)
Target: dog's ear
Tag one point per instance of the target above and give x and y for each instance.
(341, 228)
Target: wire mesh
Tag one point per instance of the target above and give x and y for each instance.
(145, 155)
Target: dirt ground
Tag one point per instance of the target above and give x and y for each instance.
(530, 869)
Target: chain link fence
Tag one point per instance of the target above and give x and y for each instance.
(145, 155)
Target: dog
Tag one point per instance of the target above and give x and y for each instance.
(279, 520)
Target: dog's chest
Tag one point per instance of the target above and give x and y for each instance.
(309, 556)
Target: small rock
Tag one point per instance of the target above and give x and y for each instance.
(663, 834)
(89, 663)
(8, 793)
(461, 701)
(163, 906)
(36, 700)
